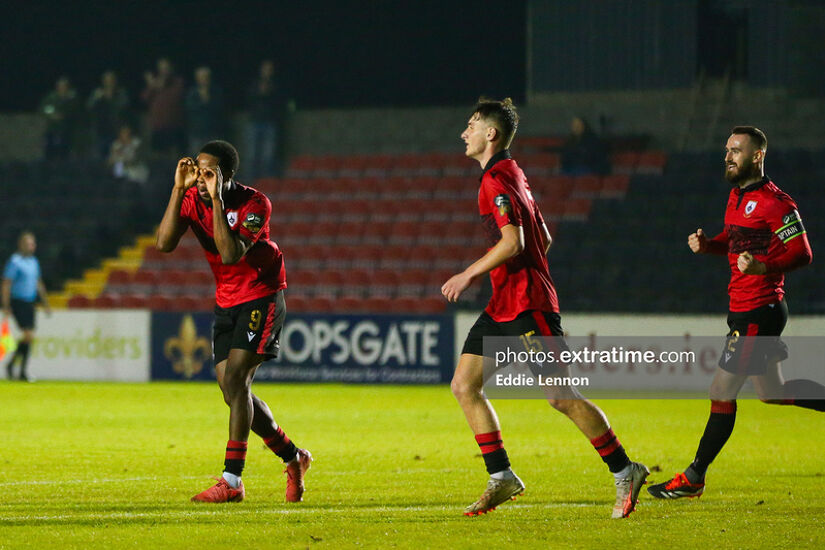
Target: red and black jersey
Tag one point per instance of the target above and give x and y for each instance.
(763, 220)
(523, 282)
(261, 271)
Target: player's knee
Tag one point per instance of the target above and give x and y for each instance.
(562, 405)
(462, 389)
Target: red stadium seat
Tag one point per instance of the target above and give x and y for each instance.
(134, 301)
(106, 301)
(319, 304)
(383, 282)
(329, 283)
(615, 186)
(587, 187)
(577, 209)
(144, 281)
(296, 302)
(79, 301)
(159, 302)
(404, 233)
(413, 282)
(651, 162)
(396, 257)
(366, 257)
(377, 304)
(347, 304)
(119, 281)
(356, 283)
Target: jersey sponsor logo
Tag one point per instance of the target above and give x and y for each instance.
(791, 227)
(749, 208)
(253, 222)
(750, 239)
(503, 204)
(232, 218)
(250, 335)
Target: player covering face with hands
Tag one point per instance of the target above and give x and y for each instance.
(231, 222)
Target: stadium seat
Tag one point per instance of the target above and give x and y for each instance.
(296, 302)
(348, 304)
(577, 209)
(79, 301)
(378, 304)
(144, 281)
(404, 233)
(396, 257)
(159, 302)
(134, 301)
(383, 282)
(319, 304)
(106, 301)
(587, 187)
(329, 283)
(366, 257)
(413, 283)
(356, 283)
(615, 186)
(119, 281)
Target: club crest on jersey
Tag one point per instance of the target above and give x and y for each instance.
(502, 202)
(232, 218)
(749, 208)
(253, 222)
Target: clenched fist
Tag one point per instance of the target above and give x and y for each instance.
(697, 242)
(749, 265)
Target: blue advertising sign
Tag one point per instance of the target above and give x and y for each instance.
(379, 349)
(182, 346)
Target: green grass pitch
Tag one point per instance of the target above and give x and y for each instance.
(114, 465)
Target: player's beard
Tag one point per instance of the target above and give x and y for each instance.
(747, 171)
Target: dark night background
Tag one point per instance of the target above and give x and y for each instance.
(344, 53)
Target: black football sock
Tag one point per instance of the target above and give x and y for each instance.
(717, 431)
(23, 350)
(804, 393)
(492, 449)
(611, 451)
(235, 457)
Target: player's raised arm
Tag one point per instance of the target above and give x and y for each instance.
(172, 226)
(231, 246)
(510, 244)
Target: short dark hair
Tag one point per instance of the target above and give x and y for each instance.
(502, 114)
(227, 155)
(758, 137)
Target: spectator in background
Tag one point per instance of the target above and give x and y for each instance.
(108, 109)
(583, 151)
(125, 154)
(204, 109)
(60, 109)
(21, 289)
(267, 100)
(164, 98)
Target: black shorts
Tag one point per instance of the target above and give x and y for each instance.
(254, 326)
(751, 356)
(23, 312)
(528, 323)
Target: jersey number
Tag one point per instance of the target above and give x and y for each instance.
(255, 320)
(530, 342)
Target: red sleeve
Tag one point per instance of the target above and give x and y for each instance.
(786, 224)
(186, 207)
(719, 244)
(254, 217)
(500, 202)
